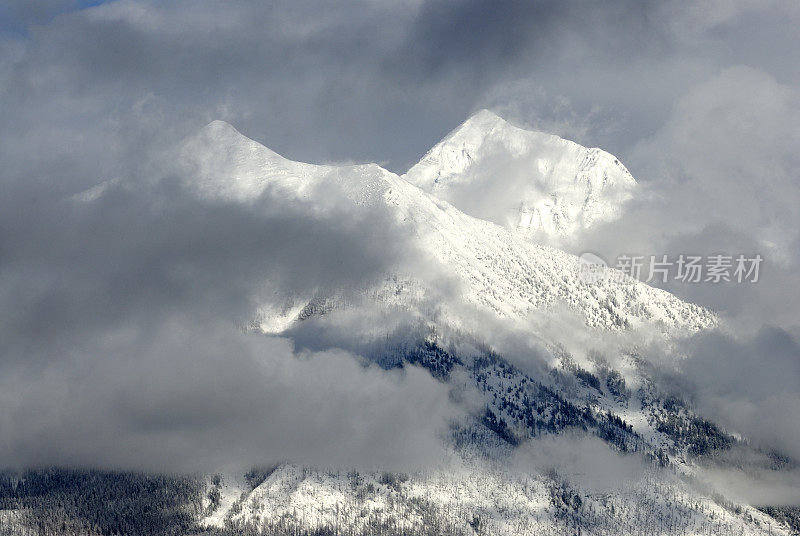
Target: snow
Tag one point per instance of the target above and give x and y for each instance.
(478, 496)
(494, 269)
(537, 184)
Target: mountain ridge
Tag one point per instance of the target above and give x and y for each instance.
(497, 269)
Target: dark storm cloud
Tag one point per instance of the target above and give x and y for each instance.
(486, 39)
(371, 81)
(475, 38)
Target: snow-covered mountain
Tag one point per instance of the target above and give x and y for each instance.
(535, 183)
(469, 277)
(489, 267)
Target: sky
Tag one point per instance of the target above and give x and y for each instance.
(700, 100)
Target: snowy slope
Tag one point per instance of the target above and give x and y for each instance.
(480, 497)
(535, 183)
(488, 267)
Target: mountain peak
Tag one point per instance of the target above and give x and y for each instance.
(220, 126)
(486, 124)
(220, 135)
(528, 181)
(484, 117)
(480, 126)
(225, 163)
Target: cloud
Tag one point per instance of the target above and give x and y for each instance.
(21, 15)
(371, 81)
(122, 317)
(699, 102)
(748, 384)
(762, 487)
(731, 139)
(720, 180)
(200, 397)
(581, 460)
(138, 252)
